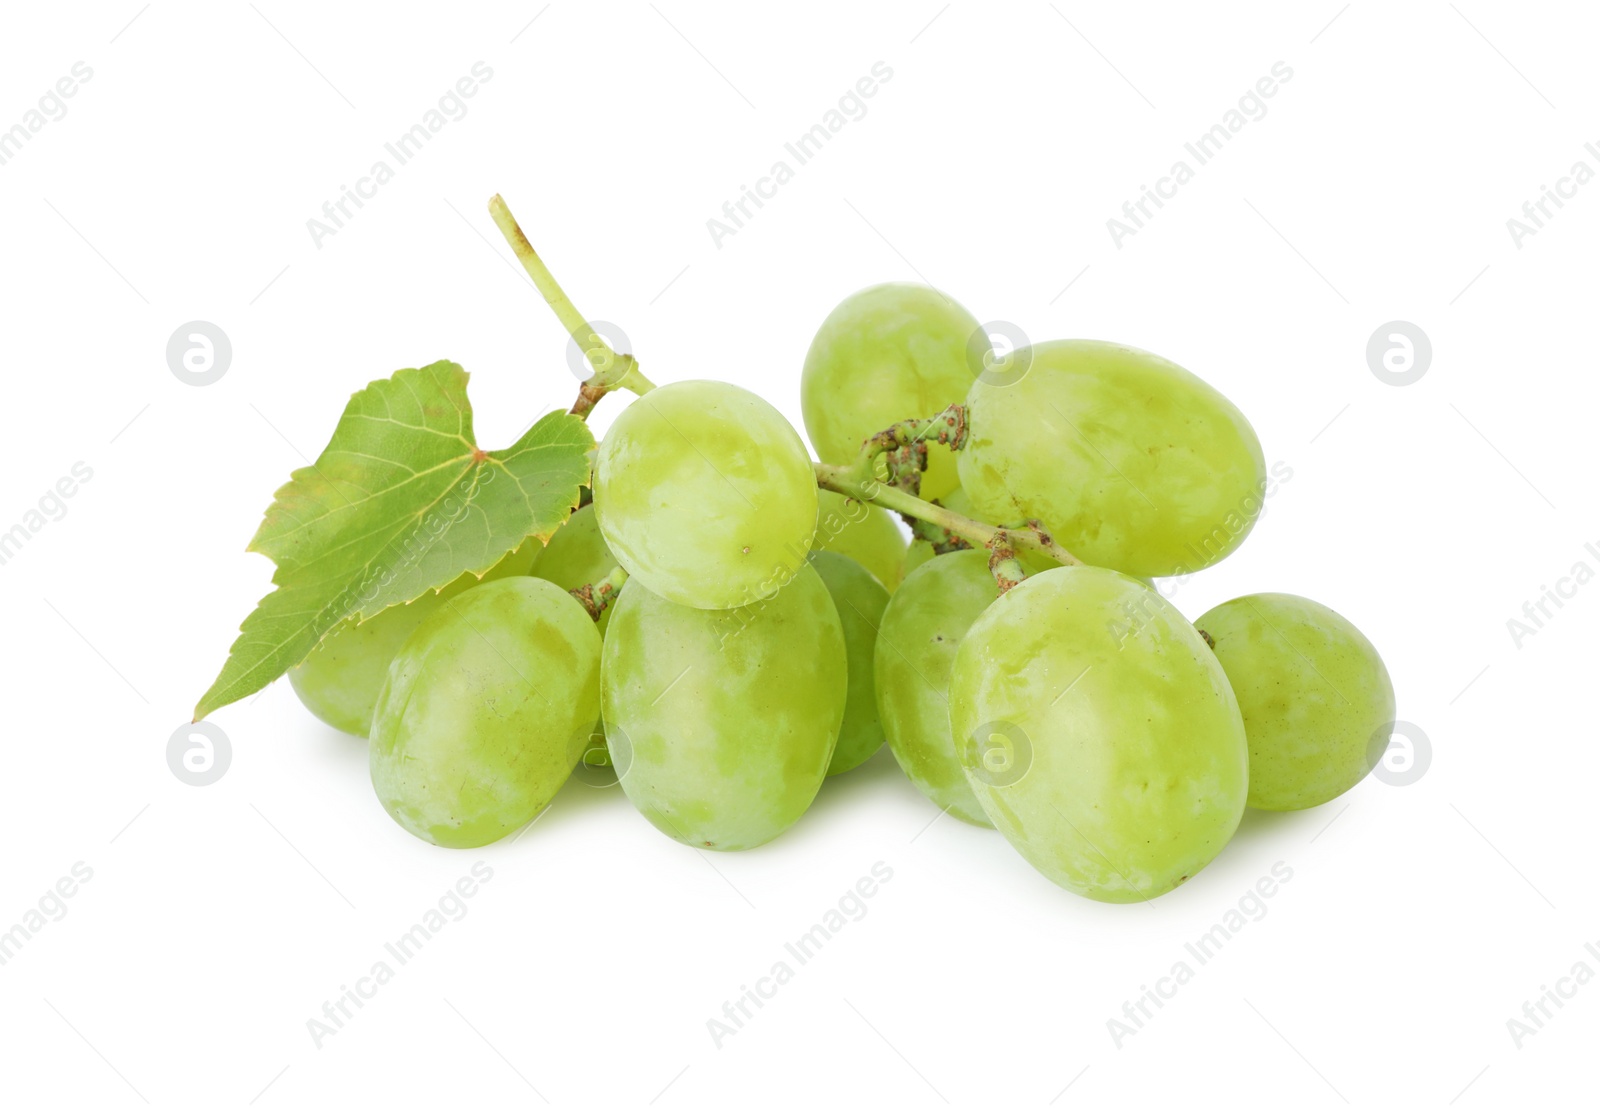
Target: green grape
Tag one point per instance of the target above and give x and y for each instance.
(1115, 762)
(1313, 692)
(1128, 460)
(919, 552)
(960, 503)
(886, 354)
(488, 706)
(577, 555)
(860, 601)
(706, 495)
(861, 531)
(340, 679)
(917, 643)
(722, 723)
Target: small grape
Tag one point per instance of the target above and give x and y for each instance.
(919, 552)
(340, 679)
(887, 353)
(486, 709)
(917, 642)
(722, 723)
(577, 555)
(860, 601)
(1313, 692)
(864, 532)
(960, 503)
(1129, 461)
(1115, 762)
(706, 495)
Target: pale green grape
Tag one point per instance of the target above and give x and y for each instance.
(722, 723)
(1128, 460)
(861, 531)
(860, 600)
(960, 503)
(340, 679)
(886, 354)
(577, 555)
(705, 494)
(920, 551)
(487, 707)
(917, 642)
(1115, 762)
(1313, 692)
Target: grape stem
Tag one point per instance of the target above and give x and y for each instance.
(942, 541)
(611, 370)
(949, 428)
(600, 595)
(906, 445)
(859, 482)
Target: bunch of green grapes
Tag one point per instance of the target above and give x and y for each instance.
(770, 633)
(1116, 764)
(340, 679)
(722, 723)
(887, 353)
(706, 495)
(1314, 693)
(487, 707)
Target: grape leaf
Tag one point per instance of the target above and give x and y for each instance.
(401, 502)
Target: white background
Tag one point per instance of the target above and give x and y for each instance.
(219, 919)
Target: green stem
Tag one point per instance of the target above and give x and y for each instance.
(851, 482)
(599, 596)
(904, 446)
(857, 481)
(612, 370)
(949, 427)
(942, 541)
(1003, 563)
(543, 279)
